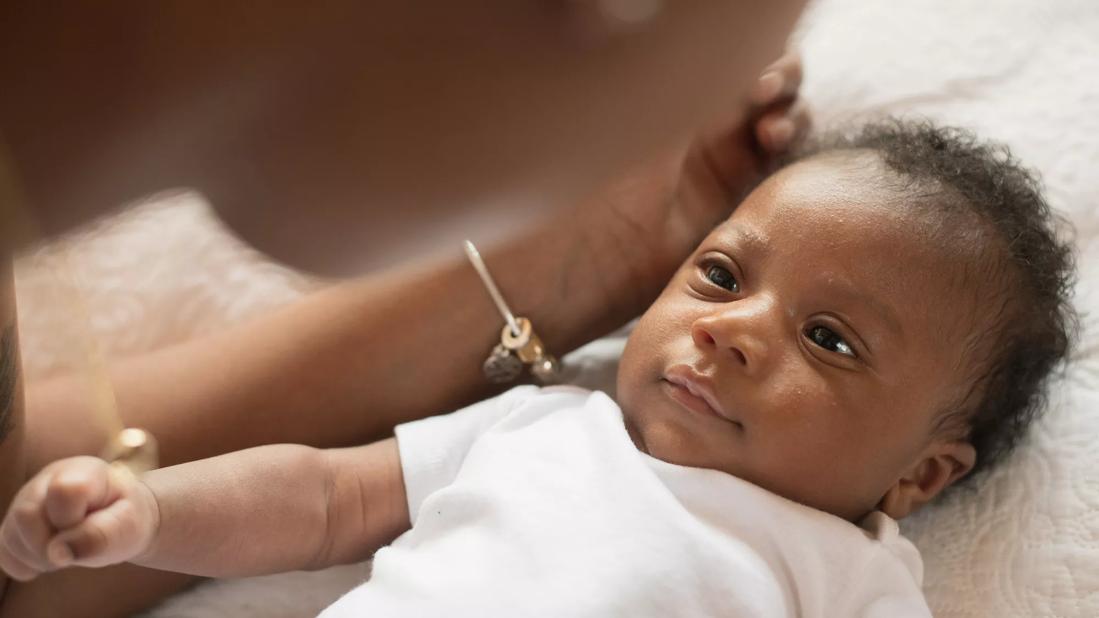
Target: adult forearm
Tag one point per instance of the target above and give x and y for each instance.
(257, 511)
(343, 366)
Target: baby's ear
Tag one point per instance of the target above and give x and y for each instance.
(942, 463)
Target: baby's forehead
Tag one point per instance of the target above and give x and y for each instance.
(849, 222)
(839, 181)
(848, 198)
(854, 197)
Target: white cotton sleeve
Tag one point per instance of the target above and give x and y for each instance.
(432, 450)
(887, 590)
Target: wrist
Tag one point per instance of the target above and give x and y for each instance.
(591, 269)
(639, 233)
(572, 276)
(630, 260)
(148, 507)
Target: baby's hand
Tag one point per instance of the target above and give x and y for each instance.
(77, 512)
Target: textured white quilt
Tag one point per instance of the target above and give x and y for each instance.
(1026, 543)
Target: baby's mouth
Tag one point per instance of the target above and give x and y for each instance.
(693, 391)
(684, 397)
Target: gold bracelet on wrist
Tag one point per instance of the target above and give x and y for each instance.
(519, 345)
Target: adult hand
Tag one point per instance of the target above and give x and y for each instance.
(669, 205)
(779, 118)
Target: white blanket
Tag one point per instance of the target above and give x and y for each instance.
(1026, 543)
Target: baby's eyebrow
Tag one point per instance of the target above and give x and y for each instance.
(855, 295)
(746, 238)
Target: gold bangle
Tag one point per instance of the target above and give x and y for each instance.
(519, 345)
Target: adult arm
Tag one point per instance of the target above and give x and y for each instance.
(347, 363)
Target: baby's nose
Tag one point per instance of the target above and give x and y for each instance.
(740, 333)
(703, 338)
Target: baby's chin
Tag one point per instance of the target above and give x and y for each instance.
(672, 442)
(669, 436)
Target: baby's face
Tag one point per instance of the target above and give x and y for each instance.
(806, 346)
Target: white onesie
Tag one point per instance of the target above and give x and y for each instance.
(537, 503)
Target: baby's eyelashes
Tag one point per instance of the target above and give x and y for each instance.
(722, 278)
(829, 340)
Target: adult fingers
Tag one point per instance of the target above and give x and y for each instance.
(780, 128)
(780, 80)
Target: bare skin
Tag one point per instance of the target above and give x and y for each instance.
(344, 503)
(362, 123)
(108, 103)
(768, 356)
(306, 384)
(792, 351)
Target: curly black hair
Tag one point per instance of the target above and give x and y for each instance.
(1027, 335)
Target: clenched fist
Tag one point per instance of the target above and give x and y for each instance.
(79, 511)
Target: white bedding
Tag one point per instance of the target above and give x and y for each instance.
(1026, 543)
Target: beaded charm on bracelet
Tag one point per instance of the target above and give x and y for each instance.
(519, 344)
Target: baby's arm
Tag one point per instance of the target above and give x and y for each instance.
(261, 510)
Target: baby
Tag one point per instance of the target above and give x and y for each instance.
(873, 323)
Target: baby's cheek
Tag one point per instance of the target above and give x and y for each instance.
(797, 396)
(644, 348)
(628, 369)
(804, 435)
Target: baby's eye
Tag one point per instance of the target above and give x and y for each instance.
(829, 340)
(721, 277)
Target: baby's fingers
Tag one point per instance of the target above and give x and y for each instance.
(15, 567)
(16, 559)
(24, 534)
(82, 485)
(115, 534)
(25, 531)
